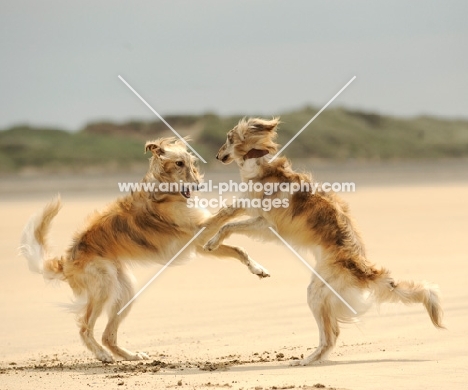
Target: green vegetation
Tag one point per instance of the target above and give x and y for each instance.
(336, 134)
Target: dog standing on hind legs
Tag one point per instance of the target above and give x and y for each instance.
(319, 222)
(140, 227)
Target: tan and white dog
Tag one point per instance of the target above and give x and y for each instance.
(143, 226)
(320, 222)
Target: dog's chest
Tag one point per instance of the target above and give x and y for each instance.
(250, 169)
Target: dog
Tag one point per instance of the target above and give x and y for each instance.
(142, 226)
(319, 222)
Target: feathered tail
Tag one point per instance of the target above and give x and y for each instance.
(34, 243)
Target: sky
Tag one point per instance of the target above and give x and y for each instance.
(60, 60)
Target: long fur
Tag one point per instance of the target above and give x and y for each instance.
(319, 222)
(33, 239)
(143, 226)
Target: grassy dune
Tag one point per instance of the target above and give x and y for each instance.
(337, 134)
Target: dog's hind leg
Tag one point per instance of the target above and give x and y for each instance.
(98, 282)
(109, 337)
(86, 322)
(386, 289)
(319, 300)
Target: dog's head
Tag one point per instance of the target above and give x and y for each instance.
(172, 163)
(251, 138)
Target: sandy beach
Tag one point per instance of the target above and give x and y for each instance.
(210, 324)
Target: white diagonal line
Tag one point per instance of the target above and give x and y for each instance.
(160, 117)
(315, 116)
(314, 271)
(160, 271)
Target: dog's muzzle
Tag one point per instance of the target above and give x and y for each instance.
(224, 159)
(187, 189)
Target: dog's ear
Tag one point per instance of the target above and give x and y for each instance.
(263, 125)
(154, 147)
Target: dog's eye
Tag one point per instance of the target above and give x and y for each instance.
(179, 163)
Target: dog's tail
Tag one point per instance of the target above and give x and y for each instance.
(387, 290)
(34, 243)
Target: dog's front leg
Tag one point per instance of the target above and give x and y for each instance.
(216, 221)
(240, 254)
(249, 226)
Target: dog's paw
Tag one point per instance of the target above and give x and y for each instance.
(105, 357)
(310, 360)
(295, 363)
(143, 356)
(140, 356)
(258, 270)
(134, 356)
(231, 210)
(211, 245)
(299, 363)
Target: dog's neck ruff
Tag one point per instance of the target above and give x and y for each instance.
(251, 168)
(255, 153)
